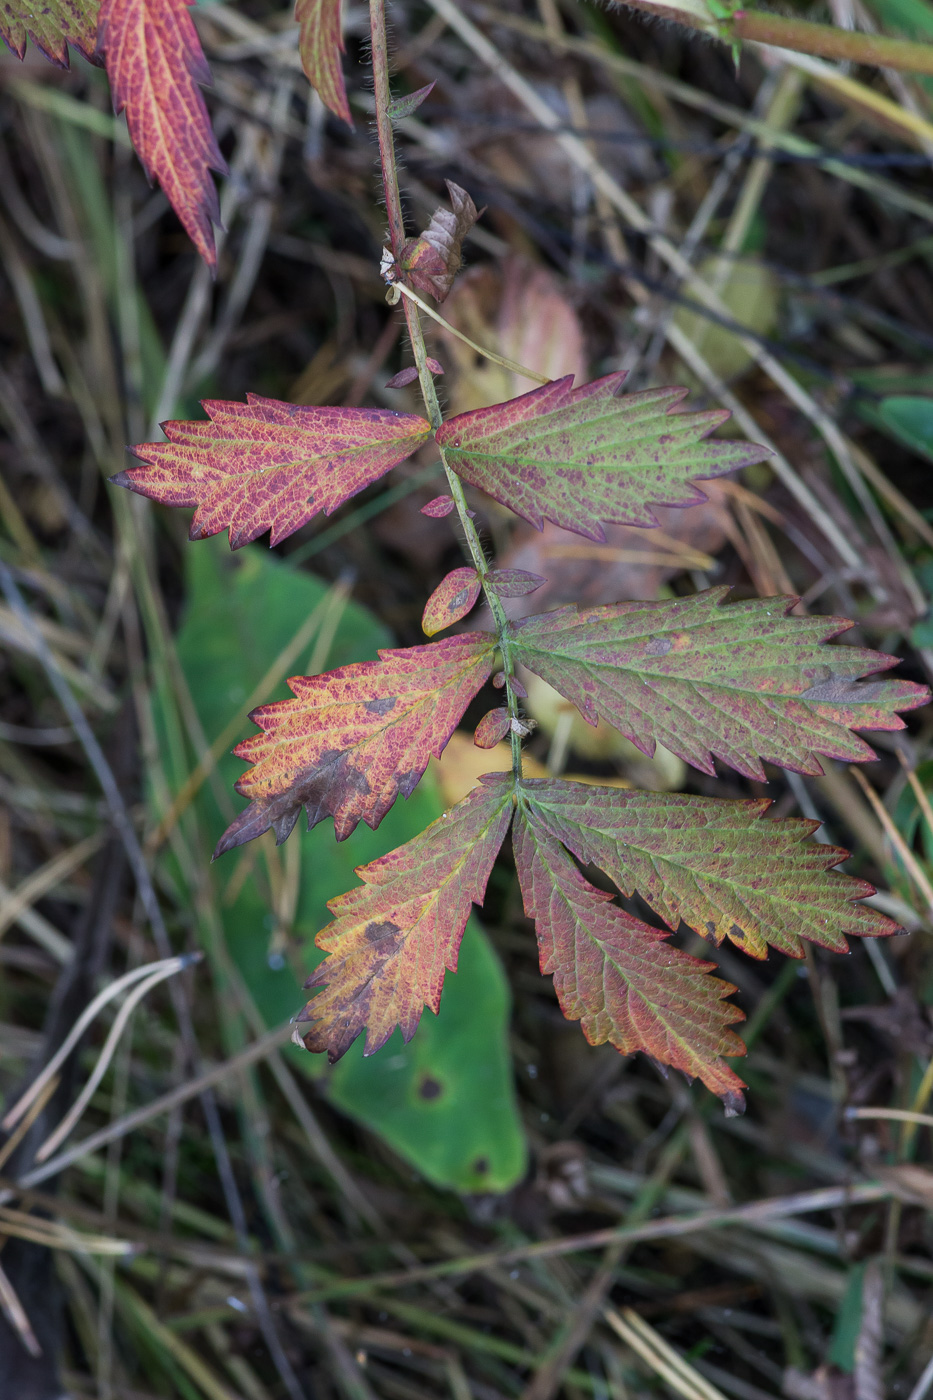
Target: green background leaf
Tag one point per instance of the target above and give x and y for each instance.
(242, 610)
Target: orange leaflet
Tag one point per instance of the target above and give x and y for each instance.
(267, 465)
(395, 937)
(353, 739)
(491, 729)
(154, 62)
(320, 43)
(620, 978)
(451, 600)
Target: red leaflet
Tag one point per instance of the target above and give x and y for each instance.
(620, 978)
(155, 62)
(582, 456)
(491, 729)
(52, 26)
(739, 683)
(266, 465)
(353, 739)
(716, 865)
(432, 260)
(320, 43)
(439, 507)
(451, 600)
(394, 938)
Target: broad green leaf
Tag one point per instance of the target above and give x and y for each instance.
(155, 64)
(910, 420)
(51, 26)
(267, 465)
(739, 683)
(619, 977)
(718, 866)
(579, 457)
(320, 43)
(241, 612)
(353, 739)
(394, 937)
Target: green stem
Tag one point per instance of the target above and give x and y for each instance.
(474, 545)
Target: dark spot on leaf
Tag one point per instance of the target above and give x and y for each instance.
(380, 706)
(481, 1166)
(458, 600)
(382, 932)
(711, 928)
(659, 646)
(430, 1088)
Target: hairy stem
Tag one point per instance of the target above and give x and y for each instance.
(389, 165)
(789, 32)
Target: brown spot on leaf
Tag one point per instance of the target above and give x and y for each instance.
(659, 646)
(430, 1088)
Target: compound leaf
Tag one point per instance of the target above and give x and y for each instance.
(155, 62)
(579, 457)
(741, 683)
(353, 739)
(716, 865)
(619, 977)
(51, 26)
(394, 937)
(268, 465)
(320, 43)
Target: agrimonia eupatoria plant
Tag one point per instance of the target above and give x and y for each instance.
(742, 682)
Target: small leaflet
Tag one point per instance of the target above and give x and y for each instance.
(719, 866)
(401, 107)
(394, 937)
(268, 465)
(439, 507)
(320, 44)
(620, 978)
(451, 600)
(155, 62)
(405, 376)
(740, 683)
(492, 729)
(353, 739)
(432, 260)
(582, 457)
(513, 583)
(409, 374)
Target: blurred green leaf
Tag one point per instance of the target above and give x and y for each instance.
(848, 1322)
(910, 420)
(445, 1101)
(913, 17)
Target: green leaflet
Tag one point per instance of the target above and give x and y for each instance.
(721, 867)
(242, 610)
(52, 25)
(582, 456)
(739, 683)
